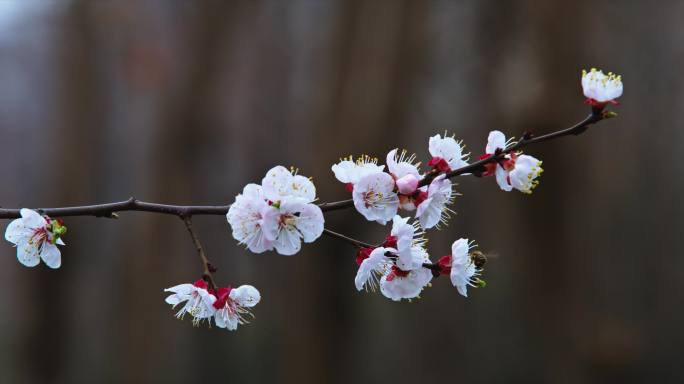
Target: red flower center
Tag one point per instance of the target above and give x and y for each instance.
(390, 242)
(444, 263)
(396, 272)
(439, 164)
(363, 254)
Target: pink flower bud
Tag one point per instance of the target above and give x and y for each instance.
(407, 184)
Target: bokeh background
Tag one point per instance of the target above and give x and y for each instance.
(186, 101)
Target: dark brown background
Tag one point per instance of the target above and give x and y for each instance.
(185, 102)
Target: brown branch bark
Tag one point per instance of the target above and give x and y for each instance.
(206, 264)
(110, 210)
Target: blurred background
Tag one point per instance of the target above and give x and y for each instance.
(184, 102)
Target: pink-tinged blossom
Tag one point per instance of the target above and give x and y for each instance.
(433, 210)
(233, 306)
(36, 237)
(195, 299)
(404, 170)
(408, 184)
(374, 197)
(401, 164)
(246, 219)
(447, 153)
(601, 89)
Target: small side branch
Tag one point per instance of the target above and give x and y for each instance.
(208, 268)
(354, 242)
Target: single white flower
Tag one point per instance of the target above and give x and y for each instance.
(350, 171)
(372, 268)
(463, 270)
(405, 237)
(199, 303)
(36, 237)
(434, 209)
(397, 284)
(280, 183)
(519, 172)
(601, 89)
(232, 306)
(374, 197)
(515, 170)
(246, 219)
(289, 222)
(448, 150)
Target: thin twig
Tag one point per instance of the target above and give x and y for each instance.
(354, 242)
(109, 210)
(206, 273)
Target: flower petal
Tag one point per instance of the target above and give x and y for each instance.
(496, 139)
(27, 254)
(51, 255)
(246, 295)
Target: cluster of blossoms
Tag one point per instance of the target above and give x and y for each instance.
(276, 214)
(228, 306)
(378, 195)
(280, 213)
(401, 266)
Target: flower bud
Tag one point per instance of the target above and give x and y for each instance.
(407, 184)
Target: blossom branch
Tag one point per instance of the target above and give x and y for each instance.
(527, 139)
(281, 213)
(208, 267)
(109, 210)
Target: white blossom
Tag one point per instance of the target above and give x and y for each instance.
(246, 219)
(281, 183)
(448, 149)
(199, 303)
(288, 223)
(463, 270)
(407, 236)
(519, 172)
(374, 197)
(278, 214)
(434, 209)
(600, 88)
(371, 268)
(350, 171)
(397, 284)
(36, 237)
(232, 306)
(515, 170)
(496, 140)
